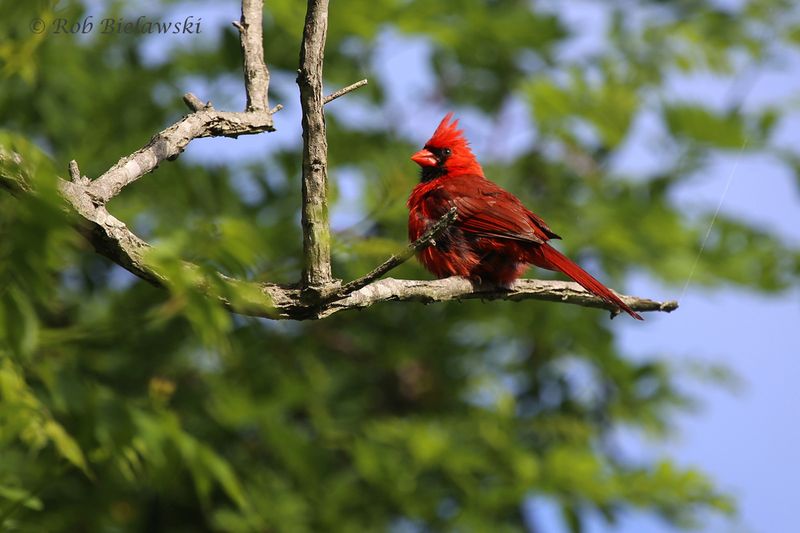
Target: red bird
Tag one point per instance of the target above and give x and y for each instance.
(495, 237)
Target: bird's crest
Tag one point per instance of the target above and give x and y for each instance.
(461, 159)
(447, 135)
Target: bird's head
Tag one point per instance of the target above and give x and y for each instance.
(447, 153)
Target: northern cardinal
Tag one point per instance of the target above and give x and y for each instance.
(494, 237)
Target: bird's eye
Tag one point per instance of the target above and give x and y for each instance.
(446, 152)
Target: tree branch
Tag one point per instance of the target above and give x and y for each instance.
(456, 288)
(317, 277)
(112, 239)
(194, 103)
(169, 143)
(256, 74)
(344, 90)
(74, 171)
(398, 259)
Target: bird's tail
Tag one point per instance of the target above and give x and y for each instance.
(545, 256)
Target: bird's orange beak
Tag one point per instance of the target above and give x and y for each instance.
(425, 158)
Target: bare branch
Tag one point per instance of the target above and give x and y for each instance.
(256, 75)
(74, 171)
(114, 240)
(168, 144)
(111, 238)
(194, 103)
(316, 229)
(75, 174)
(456, 288)
(344, 90)
(398, 259)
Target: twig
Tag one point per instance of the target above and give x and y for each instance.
(256, 75)
(316, 228)
(74, 171)
(398, 259)
(194, 103)
(344, 90)
(75, 174)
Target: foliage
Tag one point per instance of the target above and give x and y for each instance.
(124, 407)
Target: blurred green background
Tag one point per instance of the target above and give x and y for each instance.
(125, 407)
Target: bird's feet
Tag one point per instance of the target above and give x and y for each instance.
(481, 285)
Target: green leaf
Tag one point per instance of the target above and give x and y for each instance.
(700, 125)
(18, 495)
(66, 445)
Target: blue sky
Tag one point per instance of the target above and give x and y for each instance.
(747, 439)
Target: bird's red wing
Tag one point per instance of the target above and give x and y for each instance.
(496, 220)
(488, 210)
